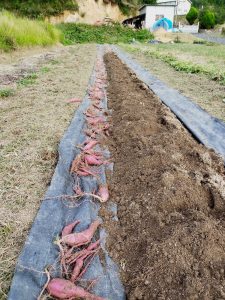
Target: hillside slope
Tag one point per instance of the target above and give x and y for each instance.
(90, 12)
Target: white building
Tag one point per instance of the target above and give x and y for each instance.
(182, 6)
(149, 14)
(153, 13)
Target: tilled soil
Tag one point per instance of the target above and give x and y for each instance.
(170, 190)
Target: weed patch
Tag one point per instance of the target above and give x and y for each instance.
(28, 79)
(84, 33)
(45, 70)
(6, 93)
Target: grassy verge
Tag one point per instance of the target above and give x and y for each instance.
(179, 64)
(20, 32)
(83, 33)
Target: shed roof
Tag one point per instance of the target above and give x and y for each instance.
(155, 5)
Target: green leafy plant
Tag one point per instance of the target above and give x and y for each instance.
(192, 15)
(28, 79)
(45, 70)
(6, 92)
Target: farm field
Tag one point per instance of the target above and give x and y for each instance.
(168, 188)
(196, 70)
(34, 87)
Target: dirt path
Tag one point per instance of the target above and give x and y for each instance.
(170, 191)
(206, 93)
(33, 121)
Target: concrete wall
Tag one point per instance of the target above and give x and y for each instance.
(153, 11)
(189, 28)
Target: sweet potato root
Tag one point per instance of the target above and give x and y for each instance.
(90, 144)
(103, 192)
(81, 238)
(65, 289)
(69, 228)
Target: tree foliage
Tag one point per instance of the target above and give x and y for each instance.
(207, 19)
(215, 6)
(192, 15)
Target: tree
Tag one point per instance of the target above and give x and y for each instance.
(192, 15)
(207, 19)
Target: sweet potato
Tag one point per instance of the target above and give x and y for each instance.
(69, 228)
(81, 238)
(103, 192)
(65, 289)
(90, 144)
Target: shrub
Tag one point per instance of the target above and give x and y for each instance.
(84, 33)
(207, 19)
(19, 32)
(192, 15)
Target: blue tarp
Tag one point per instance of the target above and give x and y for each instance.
(163, 23)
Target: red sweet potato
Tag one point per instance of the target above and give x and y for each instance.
(103, 192)
(69, 228)
(81, 238)
(65, 289)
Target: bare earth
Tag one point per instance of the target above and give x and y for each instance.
(170, 191)
(33, 121)
(205, 92)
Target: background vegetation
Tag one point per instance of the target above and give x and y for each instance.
(38, 8)
(19, 32)
(83, 33)
(217, 7)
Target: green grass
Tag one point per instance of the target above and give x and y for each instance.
(28, 79)
(20, 32)
(4, 93)
(45, 70)
(83, 33)
(171, 55)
